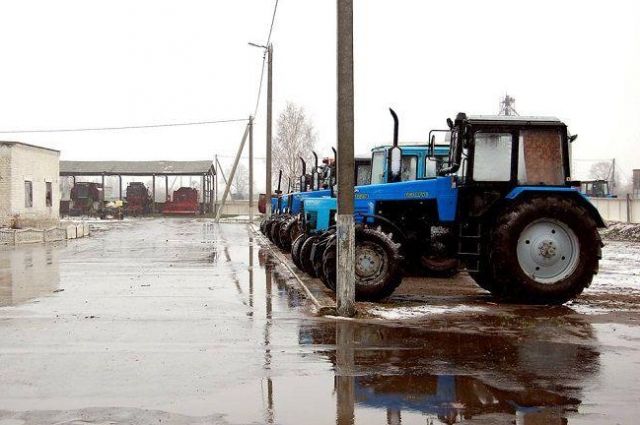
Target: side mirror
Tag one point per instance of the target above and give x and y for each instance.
(572, 138)
(395, 164)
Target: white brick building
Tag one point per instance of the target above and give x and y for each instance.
(29, 185)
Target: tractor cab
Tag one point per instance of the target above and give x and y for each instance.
(497, 158)
(418, 161)
(596, 189)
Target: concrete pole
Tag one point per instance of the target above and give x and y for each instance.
(120, 187)
(268, 188)
(166, 189)
(204, 207)
(345, 232)
(250, 169)
(227, 189)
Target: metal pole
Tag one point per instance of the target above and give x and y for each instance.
(232, 174)
(166, 189)
(153, 197)
(268, 188)
(250, 169)
(103, 189)
(345, 232)
(628, 208)
(120, 187)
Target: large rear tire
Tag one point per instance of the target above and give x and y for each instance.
(275, 232)
(296, 246)
(305, 256)
(378, 265)
(544, 251)
(288, 233)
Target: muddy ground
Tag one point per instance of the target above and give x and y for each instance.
(182, 321)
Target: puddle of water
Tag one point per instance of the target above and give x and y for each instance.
(28, 272)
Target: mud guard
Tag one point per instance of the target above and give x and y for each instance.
(523, 191)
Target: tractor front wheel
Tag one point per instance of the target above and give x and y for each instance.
(378, 265)
(544, 251)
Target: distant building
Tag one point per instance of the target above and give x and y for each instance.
(29, 185)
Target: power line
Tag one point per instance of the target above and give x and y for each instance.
(128, 127)
(264, 58)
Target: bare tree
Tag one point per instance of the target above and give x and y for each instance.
(600, 170)
(240, 183)
(295, 138)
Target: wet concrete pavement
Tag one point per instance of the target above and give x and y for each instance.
(181, 321)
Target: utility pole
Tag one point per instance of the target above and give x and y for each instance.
(345, 231)
(227, 188)
(268, 188)
(250, 169)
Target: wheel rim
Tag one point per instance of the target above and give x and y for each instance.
(370, 262)
(548, 251)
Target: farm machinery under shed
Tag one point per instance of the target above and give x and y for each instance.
(183, 202)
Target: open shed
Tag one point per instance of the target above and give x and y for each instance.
(202, 169)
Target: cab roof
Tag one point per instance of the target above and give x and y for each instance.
(513, 120)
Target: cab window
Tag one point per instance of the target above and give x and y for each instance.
(378, 165)
(409, 168)
(492, 156)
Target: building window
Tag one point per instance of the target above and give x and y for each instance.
(28, 194)
(49, 194)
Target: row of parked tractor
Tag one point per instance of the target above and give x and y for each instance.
(87, 199)
(495, 199)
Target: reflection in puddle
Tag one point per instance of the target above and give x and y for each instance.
(28, 272)
(530, 369)
(450, 377)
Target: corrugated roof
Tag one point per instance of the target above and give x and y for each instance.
(135, 168)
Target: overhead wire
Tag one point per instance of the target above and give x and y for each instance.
(127, 127)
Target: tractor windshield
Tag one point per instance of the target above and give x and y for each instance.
(378, 166)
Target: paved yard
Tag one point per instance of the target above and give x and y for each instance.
(182, 321)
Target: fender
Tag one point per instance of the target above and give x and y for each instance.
(573, 193)
(393, 226)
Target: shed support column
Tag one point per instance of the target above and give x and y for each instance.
(166, 189)
(120, 187)
(103, 190)
(211, 192)
(204, 198)
(153, 194)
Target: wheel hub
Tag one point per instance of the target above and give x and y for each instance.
(548, 250)
(370, 262)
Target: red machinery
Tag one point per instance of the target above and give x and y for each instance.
(138, 199)
(85, 199)
(185, 201)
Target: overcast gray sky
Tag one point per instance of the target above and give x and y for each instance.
(89, 64)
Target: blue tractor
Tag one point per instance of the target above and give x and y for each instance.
(283, 226)
(417, 161)
(504, 206)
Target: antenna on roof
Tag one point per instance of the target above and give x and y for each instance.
(507, 106)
